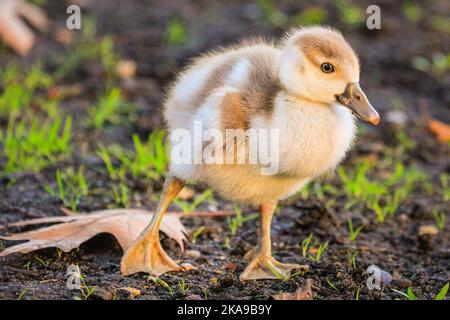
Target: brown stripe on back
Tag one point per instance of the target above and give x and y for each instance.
(234, 115)
(215, 80)
(256, 96)
(262, 85)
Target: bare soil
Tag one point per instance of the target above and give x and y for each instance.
(138, 29)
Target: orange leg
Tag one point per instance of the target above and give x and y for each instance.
(146, 254)
(262, 264)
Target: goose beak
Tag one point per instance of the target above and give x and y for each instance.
(355, 99)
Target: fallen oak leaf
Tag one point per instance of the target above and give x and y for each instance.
(124, 224)
(302, 293)
(13, 30)
(64, 91)
(68, 212)
(440, 129)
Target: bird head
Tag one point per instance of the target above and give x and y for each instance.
(319, 65)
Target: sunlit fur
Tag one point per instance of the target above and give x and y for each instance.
(261, 85)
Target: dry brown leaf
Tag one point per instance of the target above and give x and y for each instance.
(130, 291)
(13, 30)
(229, 266)
(126, 69)
(440, 129)
(125, 224)
(428, 230)
(304, 293)
(59, 92)
(64, 35)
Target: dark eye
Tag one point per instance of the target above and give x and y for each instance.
(327, 67)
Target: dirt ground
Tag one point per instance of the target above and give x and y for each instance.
(138, 29)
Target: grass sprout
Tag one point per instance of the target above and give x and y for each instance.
(357, 294)
(382, 197)
(444, 180)
(409, 294)
(331, 284)
(176, 33)
(312, 249)
(197, 233)
(85, 289)
(238, 219)
(305, 244)
(19, 89)
(34, 147)
(184, 288)
(72, 187)
(162, 283)
(351, 258)
(187, 207)
(22, 294)
(439, 218)
(442, 293)
(111, 108)
(353, 233)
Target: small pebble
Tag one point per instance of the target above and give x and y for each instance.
(192, 254)
(229, 266)
(186, 194)
(187, 266)
(226, 281)
(102, 294)
(396, 117)
(403, 219)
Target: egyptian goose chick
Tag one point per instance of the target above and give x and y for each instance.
(304, 90)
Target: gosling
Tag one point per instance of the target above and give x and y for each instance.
(306, 89)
